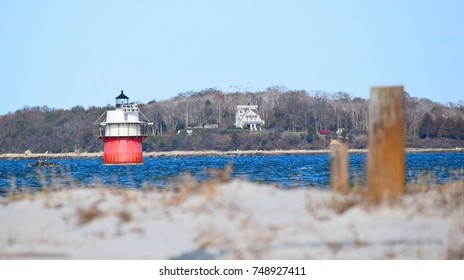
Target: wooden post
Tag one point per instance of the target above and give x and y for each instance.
(386, 158)
(339, 167)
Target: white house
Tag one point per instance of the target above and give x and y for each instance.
(248, 115)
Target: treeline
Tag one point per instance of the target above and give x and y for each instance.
(441, 126)
(293, 120)
(42, 129)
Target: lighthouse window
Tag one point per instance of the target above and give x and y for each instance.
(125, 117)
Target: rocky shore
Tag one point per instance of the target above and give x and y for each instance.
(211, 153)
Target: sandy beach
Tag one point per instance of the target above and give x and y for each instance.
(223, 219)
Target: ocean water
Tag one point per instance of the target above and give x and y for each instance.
(285, 170)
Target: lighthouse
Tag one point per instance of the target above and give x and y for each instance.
(123, 130)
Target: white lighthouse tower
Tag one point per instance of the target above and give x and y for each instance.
(123, 130)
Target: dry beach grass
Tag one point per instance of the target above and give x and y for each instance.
(231, 219)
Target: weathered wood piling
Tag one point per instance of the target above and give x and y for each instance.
(386, 142)
(339, 167)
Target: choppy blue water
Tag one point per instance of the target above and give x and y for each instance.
(287, 171)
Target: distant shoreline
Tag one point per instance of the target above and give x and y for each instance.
(212, 153)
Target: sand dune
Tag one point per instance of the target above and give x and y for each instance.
(230, 220)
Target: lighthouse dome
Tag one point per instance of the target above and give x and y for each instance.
(121, 99)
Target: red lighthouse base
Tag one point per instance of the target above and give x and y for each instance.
(122, 150)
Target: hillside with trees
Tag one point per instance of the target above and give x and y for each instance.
(295, 119)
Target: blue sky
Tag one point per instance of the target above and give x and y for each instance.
(66, 53)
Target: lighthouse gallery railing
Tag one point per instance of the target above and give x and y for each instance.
(122, 130)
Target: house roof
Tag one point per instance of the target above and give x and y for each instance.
(250, 114)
